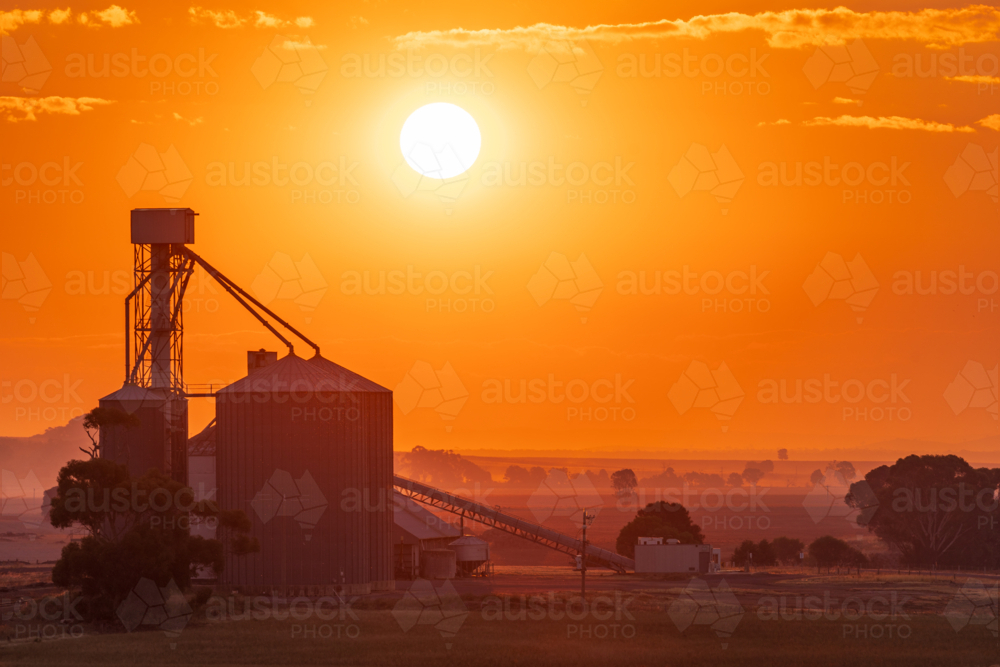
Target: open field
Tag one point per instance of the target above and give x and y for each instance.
(533, 615)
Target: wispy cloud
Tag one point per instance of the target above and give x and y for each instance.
(228, 19)
(15, 109)
(992, 122)
(975, 78)
(887, 123)
(197, 121)
(60, 16)
(789, 29)
(114, 17)
(780, 121)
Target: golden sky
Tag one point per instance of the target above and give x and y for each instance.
(767, 225)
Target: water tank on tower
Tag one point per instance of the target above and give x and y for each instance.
(154, 383)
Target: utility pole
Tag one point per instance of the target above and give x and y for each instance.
(583, 555)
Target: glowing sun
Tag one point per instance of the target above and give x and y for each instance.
(440, 140)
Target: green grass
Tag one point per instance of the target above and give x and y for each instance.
(656, 641)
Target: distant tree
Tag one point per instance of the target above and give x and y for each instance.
(98, 417)
(521, 477)
(817, 477)
(516, 475)
(782, 454)
(600, 479)
(665, 479)
(828, 551)
(753, 471)
(704, 479)
(763, 552)
(765, 467)
(735, 479)
(136, 527)
(742, 554)
(934, 510)
(659, 519)
(846, 470)
(787, 549)
(624, 482)
(444, 468)
(765, 555)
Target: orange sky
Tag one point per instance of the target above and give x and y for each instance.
(654, 144)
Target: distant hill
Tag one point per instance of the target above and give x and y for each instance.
(45, 453)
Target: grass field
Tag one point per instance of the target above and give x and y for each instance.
(629, 620)
(656, 641)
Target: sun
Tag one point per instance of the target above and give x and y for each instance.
(440, 140)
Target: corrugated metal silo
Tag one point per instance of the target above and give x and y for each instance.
(374, 403)
(285, 456)
(160, 440)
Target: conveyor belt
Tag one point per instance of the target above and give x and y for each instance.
(514, 525)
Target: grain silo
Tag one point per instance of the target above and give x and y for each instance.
(373, 403)
(289, 448)
(304, 448)
(155, 441)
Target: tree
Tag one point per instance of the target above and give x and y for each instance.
(98, 417)
(787, 549)
(782, 454)
(659, 519)
(735, 479)
(829, 551)
(846, 470)
(521, 477)
(136, 527)
(624, 482)
(763, 554)
(704, 479)
(753, 472)
(444, 468)
(665, 479)
(599, 479)
(743, 553)
(817, 477)
(934, 510)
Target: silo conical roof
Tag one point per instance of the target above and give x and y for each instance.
(346, 380)
(132, 397)
(291, 373)
(203, 444)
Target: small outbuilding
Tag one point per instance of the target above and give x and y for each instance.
(416, 531)
(654, 555)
